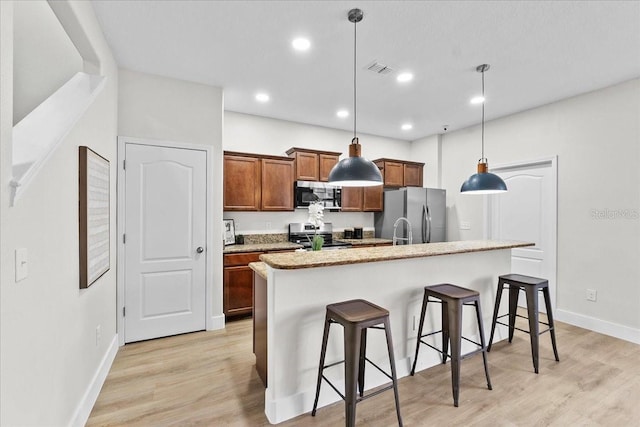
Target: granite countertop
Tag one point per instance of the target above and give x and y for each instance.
(310, 259)
(260, 268)
(370, 241)
(261, 247)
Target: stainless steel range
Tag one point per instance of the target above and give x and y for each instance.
(302, 233)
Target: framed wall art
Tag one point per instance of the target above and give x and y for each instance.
(94, 216)
(229, 231)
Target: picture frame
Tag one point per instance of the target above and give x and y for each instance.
(94, 215)
(229, 232)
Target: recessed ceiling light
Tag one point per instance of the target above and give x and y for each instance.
(477, 100)
(407, 126)
(342, 114)
(262, 97)
(301, 44)
(404, 77)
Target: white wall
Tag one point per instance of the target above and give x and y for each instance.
(44, 56)
(261, 135)
(429, 151)
(48, 349)
(161, 108)
(596, 138)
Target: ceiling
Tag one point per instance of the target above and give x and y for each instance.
(539, 52)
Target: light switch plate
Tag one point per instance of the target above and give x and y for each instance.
(22, 265)
(465, 225)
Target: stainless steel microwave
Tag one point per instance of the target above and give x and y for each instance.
(308, 192)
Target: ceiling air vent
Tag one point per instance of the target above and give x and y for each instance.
(378, 68)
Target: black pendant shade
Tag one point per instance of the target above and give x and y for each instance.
(483, 182)
(355, 171)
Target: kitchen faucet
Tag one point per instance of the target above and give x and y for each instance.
(409, 238)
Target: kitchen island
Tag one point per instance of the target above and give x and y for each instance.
(293, 289)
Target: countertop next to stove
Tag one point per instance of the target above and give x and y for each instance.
(261, 247)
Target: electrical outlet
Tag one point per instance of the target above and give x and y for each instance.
(592, 295)
(98, 335)
(465, 225)
(268, 225)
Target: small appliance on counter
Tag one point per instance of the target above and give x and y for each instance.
(357, 233)
(302, 233)
(348, 233)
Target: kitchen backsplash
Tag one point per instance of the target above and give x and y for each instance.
(252, 239)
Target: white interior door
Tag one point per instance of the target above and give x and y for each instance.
(165, 234)
(528, 212)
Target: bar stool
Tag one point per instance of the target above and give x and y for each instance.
(531, 286)
(452, 298)
(356, 316)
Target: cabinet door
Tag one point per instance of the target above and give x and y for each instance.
(372, 199)
(242, 183)
(393, 174)
(351, 199)
(412, 175)
(327, 162)
(277, 185)
(306, 166)
(238, 291)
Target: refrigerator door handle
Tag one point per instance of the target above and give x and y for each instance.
(424, 224)
(428, 225)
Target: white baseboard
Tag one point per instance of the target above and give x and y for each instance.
(83, 410)
(216, 322)
(601, 326)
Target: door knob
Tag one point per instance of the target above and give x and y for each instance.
(200, 249)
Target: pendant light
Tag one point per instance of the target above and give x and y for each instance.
(483, 182)
(355, 171)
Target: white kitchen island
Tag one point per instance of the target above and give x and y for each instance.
(292, 290)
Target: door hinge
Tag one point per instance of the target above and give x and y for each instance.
(124, 311)
(124, 238)
(124, 164)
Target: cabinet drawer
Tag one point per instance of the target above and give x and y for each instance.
(241, 259)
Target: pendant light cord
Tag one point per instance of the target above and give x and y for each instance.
(355, 47)
(483, 102)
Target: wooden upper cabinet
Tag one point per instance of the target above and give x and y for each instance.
(277, 184)
(327, 162)
(400, 173)
(242, 183)
(307, 168)
(362, 199)
(352, 198)
(393, 174)
(372, 199)
(313, 165)
(413, 175)
(254, 182)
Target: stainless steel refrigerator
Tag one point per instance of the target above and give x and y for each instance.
(424, 208)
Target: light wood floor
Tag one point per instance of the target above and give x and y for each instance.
(208, 378)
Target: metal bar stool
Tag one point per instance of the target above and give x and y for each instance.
(356, 316)
(452, 298)
(531, 286)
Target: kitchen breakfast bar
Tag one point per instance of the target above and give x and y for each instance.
(291, 291)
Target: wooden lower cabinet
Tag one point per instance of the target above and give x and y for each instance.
(238, 284)
(238, 291)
